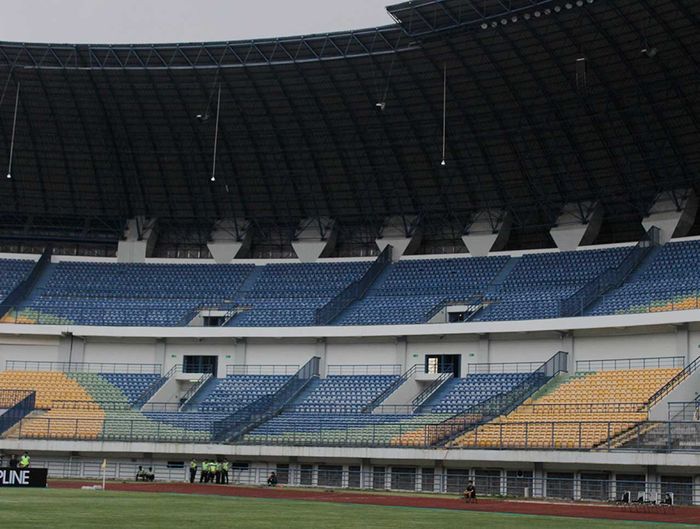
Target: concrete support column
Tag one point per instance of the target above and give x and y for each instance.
(366, 474)
(345, 478)
(314, 238)
(653, 487)
(683, 342)
(230, 238)
(241, 348)
(159, 348)
(577, 486)
(294, 473)
(488, 232)
(484, 349)
(71, 348)
(539, 487)
(567, 344)
(673, 213)
(440, 477)
(402, 352)
(138, 240)
(402, 233)
(578, 224)
(321, 352)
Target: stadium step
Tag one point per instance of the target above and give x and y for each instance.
(251, 280)
(202, 394)
(376, 285)
(44, 274)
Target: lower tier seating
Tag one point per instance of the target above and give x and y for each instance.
(581, 412)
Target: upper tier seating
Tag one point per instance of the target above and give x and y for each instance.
(287, 295)
(538, 282)
(581, 412)
(670, 282)
(135, 294)
(408, 292)
(12, 273)
(413, 288)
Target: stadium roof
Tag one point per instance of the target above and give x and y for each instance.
(546, 102)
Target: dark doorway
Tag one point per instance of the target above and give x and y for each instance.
(200, 364)
(443, 364)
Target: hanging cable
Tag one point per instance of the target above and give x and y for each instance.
(14, 128)
(216, 135)
(444, 114)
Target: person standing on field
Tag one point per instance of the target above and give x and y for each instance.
(193, 470)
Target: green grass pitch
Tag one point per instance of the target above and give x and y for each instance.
(77, 509)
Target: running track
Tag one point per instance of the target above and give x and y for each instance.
(680, 514)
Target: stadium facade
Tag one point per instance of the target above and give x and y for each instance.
(550, 148)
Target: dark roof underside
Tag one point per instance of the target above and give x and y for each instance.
(112, 133)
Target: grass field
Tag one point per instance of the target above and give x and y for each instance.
(76, 509)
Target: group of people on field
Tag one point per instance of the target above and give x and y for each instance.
(211, 471)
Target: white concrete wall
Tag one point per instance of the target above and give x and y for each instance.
(34, 348)
(405, 351)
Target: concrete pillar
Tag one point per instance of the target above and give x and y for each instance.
(488, 232)
(241, 357)
(321, 352)
(539, 486)
(578, 224)
(402, 352)
(314, 238)
(138, 241)
(683, 342)
(366, 474)
(673, 212)
(577, 486)
(440, 477)
(230, 238)
(653, 486)
(71, 348)
(567, 344)
(159, 354)
(484, 351)
(402, 233)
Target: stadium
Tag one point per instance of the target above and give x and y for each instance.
(459, 248)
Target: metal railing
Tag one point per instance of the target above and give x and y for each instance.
(190, 393)
(393, 387)
(366, 369)
(288, 369)
(611, 278)
(498, 405)
(18, 404)
(153, 388)
(22, 290)
(431, 388)
(674, 382)
(503, 367)
(615, 364)
(117, 315)
(266, 406)
(516, 482)
(684, 411)
(83, 367)
(354, 291)
(473, 301)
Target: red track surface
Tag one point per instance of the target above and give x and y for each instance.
(690, 515)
